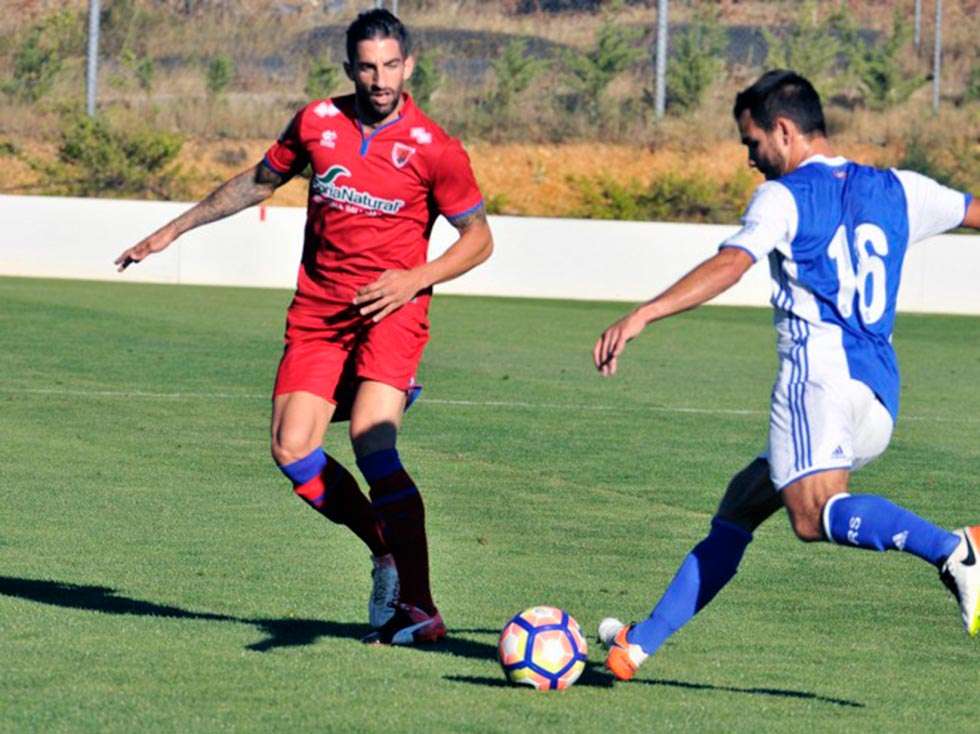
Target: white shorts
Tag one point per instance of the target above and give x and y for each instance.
(819, 425)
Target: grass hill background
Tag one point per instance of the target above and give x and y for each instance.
(555, 106)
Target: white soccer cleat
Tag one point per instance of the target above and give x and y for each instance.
(961, 574)
(384, 590)
(624, 657)
(608, 628)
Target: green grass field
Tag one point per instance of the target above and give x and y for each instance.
(158, 575)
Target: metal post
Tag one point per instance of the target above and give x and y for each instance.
(394, 7)
(918, 24)
(660, 97)
(937, 54)
(92, 66)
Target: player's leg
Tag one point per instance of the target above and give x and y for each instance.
(388, 355)
(309, 373)
(299, 421)
(818, 502)
(820, 508)
(375, 420)
(749, 500)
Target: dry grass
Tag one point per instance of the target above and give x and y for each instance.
(531, 180)
(228, 133)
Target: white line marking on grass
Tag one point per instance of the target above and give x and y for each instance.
(137, 394)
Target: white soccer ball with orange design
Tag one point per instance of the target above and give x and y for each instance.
(542, 647)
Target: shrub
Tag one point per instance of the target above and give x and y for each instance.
(40, 56)
(98, 159)
(321, 78)
(127, 24)
(513, 71)
(876, 67)
(972, 91)
(696, 61)
(672, 197)
(591, 72)
(141, 67)
(425, 80)
(218, 74)
(808, 46)
(955, 164)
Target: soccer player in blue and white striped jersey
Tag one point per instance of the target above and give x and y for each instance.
(835, 234)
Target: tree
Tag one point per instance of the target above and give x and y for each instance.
(591, 72)
(697, 61)
(321, 78)
(513, 71)
(40, 56)
(809, 46)
(876, 67)
(218, 74)
(425, 80)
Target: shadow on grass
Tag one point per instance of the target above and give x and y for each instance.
(595, 677)
(298, 632)
(280, 632)
(592, 677)
(779, 692)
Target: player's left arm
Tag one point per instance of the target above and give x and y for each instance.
(709, 279)
(396, 287)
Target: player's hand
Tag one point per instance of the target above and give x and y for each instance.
(613, 341)
(156, 242)
(388, 293)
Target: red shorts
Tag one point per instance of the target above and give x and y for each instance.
(329, 349)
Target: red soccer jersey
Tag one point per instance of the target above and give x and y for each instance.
(373, 198)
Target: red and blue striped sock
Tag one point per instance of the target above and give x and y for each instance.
(398, 505)
(326, 486)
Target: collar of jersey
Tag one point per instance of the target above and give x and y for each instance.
(837, 160)
(366, 141)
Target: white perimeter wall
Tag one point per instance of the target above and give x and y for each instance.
(544, 258)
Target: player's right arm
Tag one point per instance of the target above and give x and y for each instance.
(244, 190)
(972, 218)
(769, 222)
(709, 279)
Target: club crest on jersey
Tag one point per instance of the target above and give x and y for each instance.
(325, 189)
(400, 153)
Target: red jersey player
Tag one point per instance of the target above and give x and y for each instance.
(357, 326)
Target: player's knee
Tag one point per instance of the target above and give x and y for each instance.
(806, 524)
(289, 448)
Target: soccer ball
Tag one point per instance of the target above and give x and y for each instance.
(542, 647)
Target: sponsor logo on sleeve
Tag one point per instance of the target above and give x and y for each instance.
(329, 139)
(420, 135)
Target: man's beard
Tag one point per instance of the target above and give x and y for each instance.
(770, 169)
(369, 108)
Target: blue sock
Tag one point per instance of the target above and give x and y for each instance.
(706, 569)
(874, 523)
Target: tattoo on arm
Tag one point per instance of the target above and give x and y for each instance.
(465, 222)
(244, 190)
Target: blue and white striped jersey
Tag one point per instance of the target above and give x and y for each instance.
(836, 233)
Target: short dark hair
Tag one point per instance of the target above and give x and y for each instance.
(378, 23)
(782, 93)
